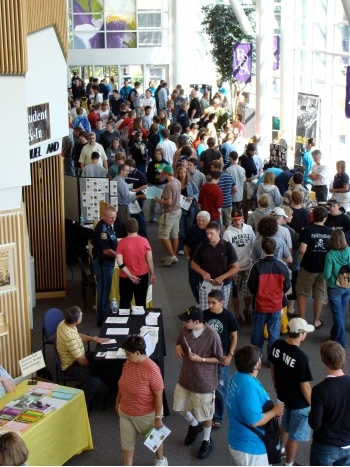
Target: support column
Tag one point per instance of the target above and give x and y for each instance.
(264, 57)
(287, 94)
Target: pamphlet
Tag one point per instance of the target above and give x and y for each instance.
(153, 192)
(29, 416)
(117, 331)
(46, 385)
(124, 311)
(137, 310)
(111, 341)
(184, 204)
(120, 353)
(156, 437)
(117, 319)
(17, 426)
(54, 402)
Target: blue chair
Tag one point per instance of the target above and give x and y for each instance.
(51, 320)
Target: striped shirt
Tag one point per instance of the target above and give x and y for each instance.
(69, 344)
(137, 385)
(226, 183)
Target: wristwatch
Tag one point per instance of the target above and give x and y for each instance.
(203, 360)
(232, 353)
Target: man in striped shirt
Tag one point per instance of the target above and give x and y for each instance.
(228, 188)
(70, 347)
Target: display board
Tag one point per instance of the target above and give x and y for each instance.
(83, 197)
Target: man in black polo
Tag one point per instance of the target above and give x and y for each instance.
(216, 261)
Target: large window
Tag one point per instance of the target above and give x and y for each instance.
(115, 24)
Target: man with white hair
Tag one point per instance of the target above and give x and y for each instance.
(319, 174)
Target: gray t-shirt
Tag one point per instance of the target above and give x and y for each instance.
(172, 191)
(281, 251)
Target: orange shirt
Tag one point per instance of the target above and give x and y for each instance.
(137, 385)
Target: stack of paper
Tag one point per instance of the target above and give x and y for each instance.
(137, 310)
(117, 331)
(117, 320)
(54, 402)
(120, 353)
(152, 318)
(124, 311)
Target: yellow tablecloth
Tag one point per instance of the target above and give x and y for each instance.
(58, 435)
(115, 289)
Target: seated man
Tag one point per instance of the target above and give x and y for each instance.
(6, 382)
(74, 361)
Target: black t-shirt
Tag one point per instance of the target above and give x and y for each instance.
(216, 260)
(340, 180)
(291, 367)
(316, 238)
(224, 323)
(194, 104)
(207, 157)
(301, 218)
(194, 236)
(341, 221)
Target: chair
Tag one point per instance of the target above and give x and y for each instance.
(87, 280)
(51, 320)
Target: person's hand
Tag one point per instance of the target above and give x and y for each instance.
(206, 276)
(141, 197)
(179, 351)
(227, 360)
(331, 190)
(134, 279)
(153, 279)
(278, 409)
(157, 200)
(194, 357)
(217, 281)
(158, 423)
(101, 340)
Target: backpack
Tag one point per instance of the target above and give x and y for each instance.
(343, 277)
(253, 202)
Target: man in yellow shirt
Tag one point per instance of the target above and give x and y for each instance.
(70, 347)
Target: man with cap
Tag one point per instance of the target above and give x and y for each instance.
(242, 238)
(282, 233)
(319, 174)
(168, 231)
(291, 377)
(199, 346)
(336, 218)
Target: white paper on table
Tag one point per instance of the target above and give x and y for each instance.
(149, 294)
(153, 314)
(153, 192)
(150, 321)
(111, 341)
(137, 310)
(156, 437)
(134, 207)
(124, 311)
(116, 319)
(54, 402)
(118, 331)
(149, 344)
(184, 204)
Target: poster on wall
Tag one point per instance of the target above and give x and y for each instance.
(39, 127)
(7, 279)
(308, 122)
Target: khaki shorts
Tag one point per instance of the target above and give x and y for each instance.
(131, 426)
(203, 405)
(169, 225)
(226, 214)
(314, 281)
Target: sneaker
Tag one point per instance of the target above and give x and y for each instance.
(171, 260)
(239, 320)
(165, 259)
(205, 449)
(164, 461)
(193, 432)
(248, 317)
(181, 252)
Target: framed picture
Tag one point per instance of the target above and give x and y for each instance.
(7, 273)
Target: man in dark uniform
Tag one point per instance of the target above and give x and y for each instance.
(105, 244)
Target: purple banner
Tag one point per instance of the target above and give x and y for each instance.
(242, 61)
(276, 53)
(347, 93)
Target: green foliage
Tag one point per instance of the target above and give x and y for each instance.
(223, 30)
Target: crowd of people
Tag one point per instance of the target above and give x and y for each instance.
(247, 229)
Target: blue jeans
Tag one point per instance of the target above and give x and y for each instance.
(186, 221)
(103, 273)
(323, 454)
(221, 392)
(338, 301)
(273, 321)
(193, 279)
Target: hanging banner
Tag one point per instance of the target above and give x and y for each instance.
(242, 61)
(276, 53)
(347, 93)
(308, 115)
